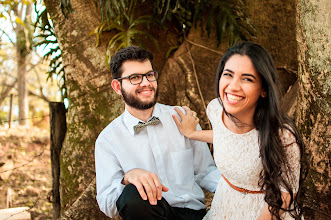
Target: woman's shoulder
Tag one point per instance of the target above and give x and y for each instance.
(290, 142)
(214, 106)
(287, 135)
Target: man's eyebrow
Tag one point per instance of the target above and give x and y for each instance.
(141, 73)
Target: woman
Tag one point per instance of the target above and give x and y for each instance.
(256, 146)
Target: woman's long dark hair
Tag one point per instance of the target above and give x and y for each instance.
(269, 120)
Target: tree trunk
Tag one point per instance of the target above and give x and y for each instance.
(21, 77)
(22, 52)
(92, 102)
(275, 24)
(58, 130)
(313, 111)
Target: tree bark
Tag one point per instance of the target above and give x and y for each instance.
(92, 104)
(85, 207)
(275, 24)
(313, 112)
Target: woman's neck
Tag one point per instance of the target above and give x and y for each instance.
(236, 125)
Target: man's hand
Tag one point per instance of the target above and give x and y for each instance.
(146, 183)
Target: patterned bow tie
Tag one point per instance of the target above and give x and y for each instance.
(141, 125)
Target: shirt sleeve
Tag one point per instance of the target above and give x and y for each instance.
(206, 173)
(109, 175)
(292, 151)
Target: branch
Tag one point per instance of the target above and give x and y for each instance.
(36, 156)
(7, 36)
(33, 66)
(196, 78)
(6, 91)
(41, 96)
(204, 47)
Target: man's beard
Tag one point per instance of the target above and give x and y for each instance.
(134, 101)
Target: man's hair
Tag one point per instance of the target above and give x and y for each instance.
(131, 53)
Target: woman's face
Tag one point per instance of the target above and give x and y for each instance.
(240, 87)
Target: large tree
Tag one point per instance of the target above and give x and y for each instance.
(187, 76)
(313, 111)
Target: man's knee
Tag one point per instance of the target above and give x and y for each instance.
(130, 201)
(130, 204)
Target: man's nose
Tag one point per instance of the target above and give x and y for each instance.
(145, 80)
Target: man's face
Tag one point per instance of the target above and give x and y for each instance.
(141, 96)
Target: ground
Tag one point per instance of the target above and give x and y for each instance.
(27, 169)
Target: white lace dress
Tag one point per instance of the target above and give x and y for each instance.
(237, 156)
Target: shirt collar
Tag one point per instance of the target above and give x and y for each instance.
(130, 120)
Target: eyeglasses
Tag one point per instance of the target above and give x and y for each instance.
(135, 79)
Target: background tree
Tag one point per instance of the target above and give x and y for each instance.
(20, 62)
(7, 77)
(187, 75)
(19, 13)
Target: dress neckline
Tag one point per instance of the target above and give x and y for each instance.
(231, 132)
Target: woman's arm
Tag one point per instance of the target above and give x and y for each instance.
(187, 126)
(266, 215)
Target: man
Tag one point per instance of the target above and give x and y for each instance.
(145, 168)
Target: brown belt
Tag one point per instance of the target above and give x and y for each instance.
(245, 191)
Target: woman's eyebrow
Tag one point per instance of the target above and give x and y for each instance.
(248, 74)
(228, 70)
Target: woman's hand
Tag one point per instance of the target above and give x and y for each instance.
(187, 125)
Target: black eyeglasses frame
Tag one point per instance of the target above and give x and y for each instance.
(145, 74)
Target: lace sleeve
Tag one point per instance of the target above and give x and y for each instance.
(292, 152)
(212, 110)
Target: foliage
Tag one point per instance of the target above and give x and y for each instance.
(126, 25)
(229, 19)
(225, 16)
(3, 117)
(66, 7)
(47, 38)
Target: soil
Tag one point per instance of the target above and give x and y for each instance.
(25, 169)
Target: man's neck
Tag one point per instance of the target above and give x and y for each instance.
(142, 115)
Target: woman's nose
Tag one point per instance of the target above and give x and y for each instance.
(234, 84)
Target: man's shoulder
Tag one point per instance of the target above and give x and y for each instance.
(169, 108)
(111, 127)
(164, 106)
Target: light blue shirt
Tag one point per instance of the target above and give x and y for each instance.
(183, 165)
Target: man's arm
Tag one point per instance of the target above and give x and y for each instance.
(111, 180)
(109, 175)
(205, 171)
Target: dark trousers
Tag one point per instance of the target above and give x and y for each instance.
(132, 207)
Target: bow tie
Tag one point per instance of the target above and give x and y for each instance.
(141, 125)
